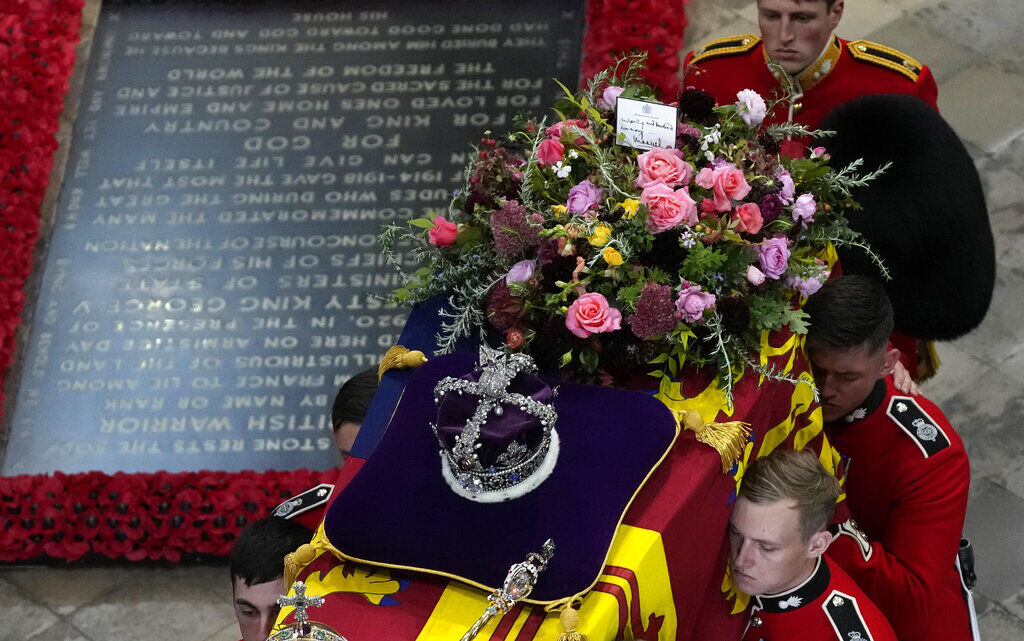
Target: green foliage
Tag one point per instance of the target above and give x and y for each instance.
(711, 253)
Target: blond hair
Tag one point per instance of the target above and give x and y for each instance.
(788, 474)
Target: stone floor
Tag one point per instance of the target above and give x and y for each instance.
(975, 50)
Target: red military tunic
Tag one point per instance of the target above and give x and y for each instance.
(844, 71)
(906, 483)
(828, 606)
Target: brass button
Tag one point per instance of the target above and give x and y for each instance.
(798, 107)
(756, 622)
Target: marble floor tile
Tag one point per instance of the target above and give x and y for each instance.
(1001, 172)
(229, 632)
(91, 12)
(1001, 331)
(20, 615)
(72, 99)
(982, 25)
(64, 590)
(165, 604)
(710, 20)
(862, 18)
(910, 35)
(982, 103)
(60, 631)
(957, 366)
(1000, 625)
(994, 517)
(1008, 230)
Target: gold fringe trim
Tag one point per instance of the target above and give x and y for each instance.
(928, 361)
(570, 619)
(728, 438)
(294, 562)
(398, 357)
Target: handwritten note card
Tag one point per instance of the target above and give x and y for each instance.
(646, 124)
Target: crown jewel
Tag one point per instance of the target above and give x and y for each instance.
(518, 585)
(496, 426)
(303, 629)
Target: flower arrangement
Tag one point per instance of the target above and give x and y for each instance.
(603, 261)
(136, 516)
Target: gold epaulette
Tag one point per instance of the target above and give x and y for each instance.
(727, 46)
(884, 56)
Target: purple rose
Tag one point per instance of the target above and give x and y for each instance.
(583, 196)
(691, 303)
(771, 208)
(788, 188)
(803, 209)
(773, 256)
(806, 286)
(609, 96)
(520, 272)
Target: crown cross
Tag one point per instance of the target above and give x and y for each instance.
(300, 601)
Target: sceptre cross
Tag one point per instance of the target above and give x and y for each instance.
(300, 601)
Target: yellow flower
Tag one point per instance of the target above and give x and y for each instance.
(560, 210)
(630, 205)
(602, 234)
(612, 256)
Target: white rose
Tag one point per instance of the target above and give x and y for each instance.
(750, 106)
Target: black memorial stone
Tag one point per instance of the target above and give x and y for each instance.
(210, 277)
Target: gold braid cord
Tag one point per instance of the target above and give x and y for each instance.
(295, 561)
(398, 357)
(570, 619)
(728, 438)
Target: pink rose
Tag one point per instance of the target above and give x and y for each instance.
(665, 166)
(666, 207)
(704, 177)
(692, 302)
(788, 188)
(609, 96)
(773, 256)
(755, 275)
(727, 182)
(558, 129)
(591, 314)
(803, 209)
(818, 152)
(549, 152)
(442, 233)
(806, 286)
(748, 218)
(583, 196)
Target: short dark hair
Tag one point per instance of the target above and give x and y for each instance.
(353, 399)
(258, 553)
(849, 312)
(828, 4)
(789, 474)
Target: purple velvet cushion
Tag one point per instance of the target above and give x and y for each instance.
(398, 511)
(513, 424)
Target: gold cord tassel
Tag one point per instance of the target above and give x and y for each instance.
(570, 619)
(398, 357)
(728, 438)
(295, 561)
(928, 361)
